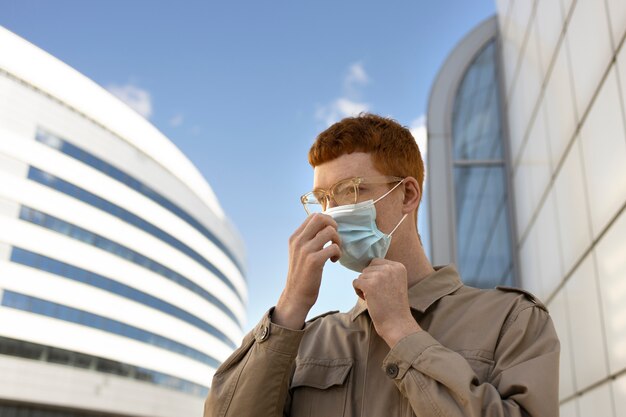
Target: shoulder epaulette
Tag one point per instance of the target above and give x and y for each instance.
(531, 297)
(328, 313)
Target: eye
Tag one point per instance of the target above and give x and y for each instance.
(364, 190)
(344, 192)
(343, 188)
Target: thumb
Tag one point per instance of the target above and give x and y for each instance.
(356, 284)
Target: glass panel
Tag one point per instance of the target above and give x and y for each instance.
(483, 248)
(475, 119)
(75, 359)
(82, 361)
(119, 175)
(484, 253)
(589, 55)
(39, 306)
(604, 153)
(83, 235)
(59, 356)
(496, 263)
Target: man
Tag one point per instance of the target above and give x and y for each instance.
(418, 342)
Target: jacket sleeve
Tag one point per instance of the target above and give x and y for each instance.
(524, 381)
(254, 380)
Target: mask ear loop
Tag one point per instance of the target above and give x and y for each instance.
(399, 223)
(388, 192)
(385, 195)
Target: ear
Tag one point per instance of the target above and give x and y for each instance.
(412, 195)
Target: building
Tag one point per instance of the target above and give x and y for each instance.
(527, 177)
(121, 279)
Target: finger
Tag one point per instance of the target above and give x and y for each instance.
(328, 234)
(318, 222)
(356, 284)
(295, 236)
(332, 252)
(360, 294)
(360, 283)
(304, 224)
(379, 261)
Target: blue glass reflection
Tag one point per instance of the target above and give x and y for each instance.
(80, 154)
(484, 252)
(44, 263)
(476, 121)
(50, 222)
(35, 305)
(79, 193)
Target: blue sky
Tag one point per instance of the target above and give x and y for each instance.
(243, 87)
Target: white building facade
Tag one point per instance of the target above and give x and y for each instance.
(121, 279)
(560, 71)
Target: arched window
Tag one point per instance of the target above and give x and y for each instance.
(483, 242)
(468, 187)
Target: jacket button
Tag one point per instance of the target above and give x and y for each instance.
(392, 370)
(263, 333)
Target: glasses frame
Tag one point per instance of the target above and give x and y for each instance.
(356, 181)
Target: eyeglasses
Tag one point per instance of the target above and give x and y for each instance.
(344, 192)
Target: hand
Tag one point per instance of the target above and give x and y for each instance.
(307, 256)
(383, 286)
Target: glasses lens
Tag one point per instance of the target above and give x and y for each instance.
(312, 203)
(345, 192)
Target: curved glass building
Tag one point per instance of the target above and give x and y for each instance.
(121, 279)
(529, 112)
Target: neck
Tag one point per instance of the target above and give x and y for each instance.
(410, 252)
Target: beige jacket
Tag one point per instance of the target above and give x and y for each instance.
(481, 353)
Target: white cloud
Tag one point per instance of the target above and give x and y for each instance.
(177, 120)
(338, 109)
(348, 107)
(418, 130)
(349, 103)
(135, 97)
(356, 75)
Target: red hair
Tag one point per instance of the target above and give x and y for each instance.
(394, 150)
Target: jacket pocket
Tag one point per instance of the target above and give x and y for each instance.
(319, 387)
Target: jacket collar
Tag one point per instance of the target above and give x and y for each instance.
(445, 280)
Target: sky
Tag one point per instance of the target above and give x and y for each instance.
(243, 88)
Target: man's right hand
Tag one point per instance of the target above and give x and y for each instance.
(307, 256)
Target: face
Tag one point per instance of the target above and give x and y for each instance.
(359, 164)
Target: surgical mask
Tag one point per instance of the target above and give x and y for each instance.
(361, 240)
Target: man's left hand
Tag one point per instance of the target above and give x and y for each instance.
(383, 286)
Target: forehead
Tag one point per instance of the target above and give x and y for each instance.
(356, 164)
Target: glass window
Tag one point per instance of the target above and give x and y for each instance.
(50, 310)
(21, 349)
(119, 175)
(51, 354)
(80, 234)
(24, 257)
(83, 361)
(64, 313)
(59, 356)
(484, 254)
